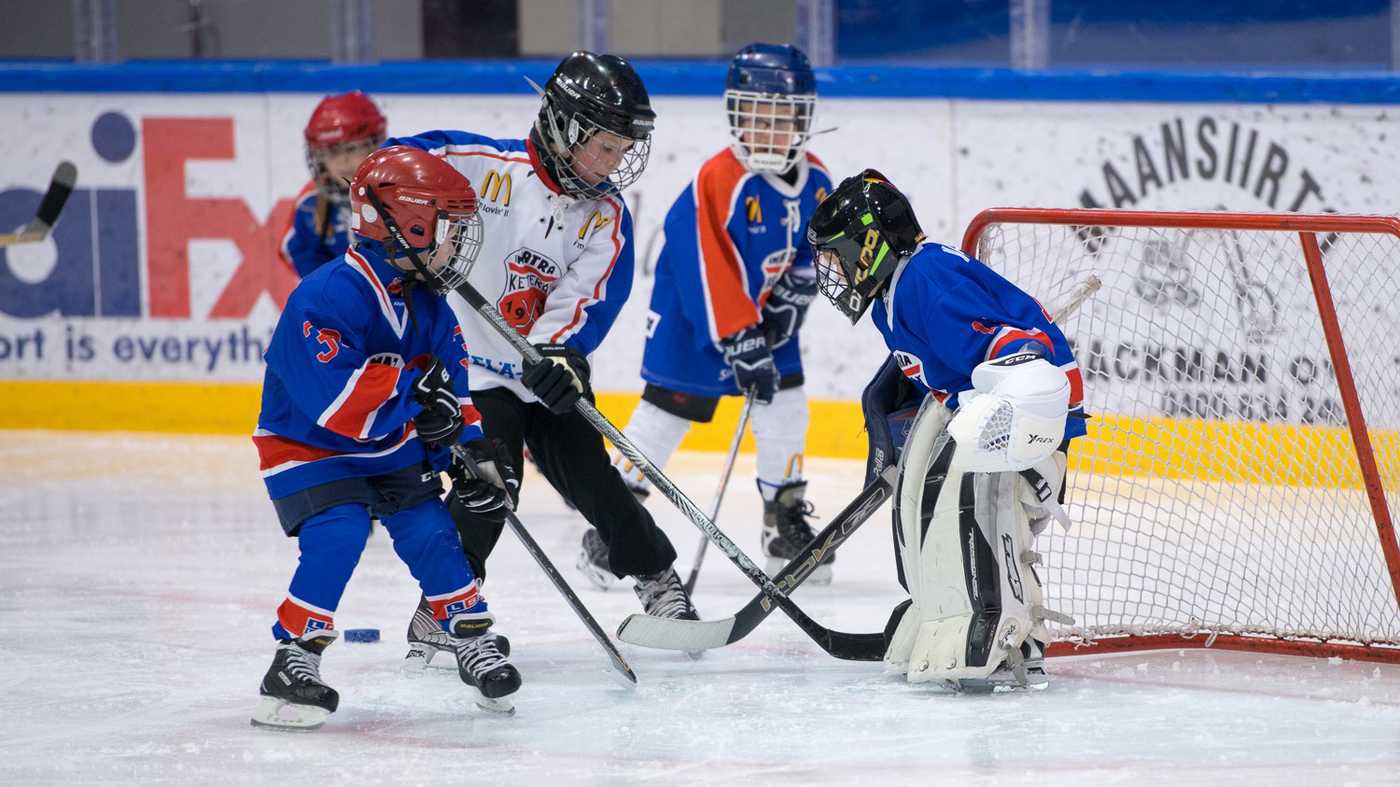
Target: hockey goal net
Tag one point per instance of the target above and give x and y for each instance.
(1243, 376)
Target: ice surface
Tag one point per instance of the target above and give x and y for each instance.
(139, 575)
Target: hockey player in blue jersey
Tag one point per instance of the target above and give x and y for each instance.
(981, 468)
(364, 397)
(733, 283)
(343, 129)
(557, 264)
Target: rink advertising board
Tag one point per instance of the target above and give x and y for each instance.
(152, 302)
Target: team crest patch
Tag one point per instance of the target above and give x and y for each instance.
(530, 276)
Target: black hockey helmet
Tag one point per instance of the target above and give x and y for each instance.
(589, 93)
(859, 233)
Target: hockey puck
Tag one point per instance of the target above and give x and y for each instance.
(362, 635)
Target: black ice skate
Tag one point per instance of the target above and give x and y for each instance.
(663, 595)
(293, 695)
(1023, 669)
(593, 561)
(786, 531)
(483, 666)
(426, 639)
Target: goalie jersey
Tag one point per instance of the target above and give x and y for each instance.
(945, 312)
(558, 269)
(337, 399)
(304, 245)
(729, 237)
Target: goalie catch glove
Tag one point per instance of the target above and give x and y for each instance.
(440, 423)
(748, 354)
(786, 307)
(485, 485)
(559, 378)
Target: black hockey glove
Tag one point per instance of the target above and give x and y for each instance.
(559, 379)
(486, 489)
(747, 353)
(787, 304)
(440, 423)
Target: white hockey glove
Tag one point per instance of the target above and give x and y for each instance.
(1014, 417)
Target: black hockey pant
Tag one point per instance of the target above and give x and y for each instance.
(569, 453)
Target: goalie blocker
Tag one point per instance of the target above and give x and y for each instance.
(973, 490)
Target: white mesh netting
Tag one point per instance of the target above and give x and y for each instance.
(1219, 489)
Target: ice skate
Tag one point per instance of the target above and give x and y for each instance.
(786, 531)
(663, 595)
(426, 639)
(1023, 669)
(482, 664)
(293, 695)
(593, 561)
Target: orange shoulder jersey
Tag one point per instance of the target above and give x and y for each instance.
(729, 237)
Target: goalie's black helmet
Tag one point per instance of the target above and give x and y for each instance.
(859, 233)
(589, 93)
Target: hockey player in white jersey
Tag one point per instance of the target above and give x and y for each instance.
(557, 263)
(996, 384)
(733, 284)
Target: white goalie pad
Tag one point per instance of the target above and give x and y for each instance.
(965, 549)
(1014, 416)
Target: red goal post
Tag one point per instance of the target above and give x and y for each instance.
(1230, 493)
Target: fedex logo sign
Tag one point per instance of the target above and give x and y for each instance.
(99, 271)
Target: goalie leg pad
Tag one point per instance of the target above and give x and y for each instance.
(964, 541)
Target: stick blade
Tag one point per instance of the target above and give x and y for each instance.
(670, 634)
(60, 187)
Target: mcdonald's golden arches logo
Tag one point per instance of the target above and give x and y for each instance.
(596, 221)
(754, 210)
(494, 185)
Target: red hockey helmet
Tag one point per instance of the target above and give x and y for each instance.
(347, 117)
(404, 196)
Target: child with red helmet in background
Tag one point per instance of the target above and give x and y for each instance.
(343, 129)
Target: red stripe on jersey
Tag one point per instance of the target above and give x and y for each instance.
(298, 619)
(597, 288)
(731, 309)
(470, 415)
(274, 450)
(914, 371)
(1009, 335)
(375, 385)
(500, 156)
(1076, 387)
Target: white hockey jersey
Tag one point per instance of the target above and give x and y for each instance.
(559, 269)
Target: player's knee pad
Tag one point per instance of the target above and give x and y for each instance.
(780, 433)
(965, 550)
(656, 433)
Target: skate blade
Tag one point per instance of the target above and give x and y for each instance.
(276, 714)
(416, 662)
(500, 706)
(596, 578)
(821, 575)
(996, 685)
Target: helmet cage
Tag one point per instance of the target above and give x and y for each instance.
(565, 131)
(317, 163)
(853, 265)
(456, 224)
(762, 116)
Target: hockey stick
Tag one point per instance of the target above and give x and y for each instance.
(38, 228)
(532, 546)
(696, 635)
(719, 493)
(691, 635)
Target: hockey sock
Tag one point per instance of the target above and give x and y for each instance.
(780, 430)
(331, 543)
(656, 433)
(425, 539)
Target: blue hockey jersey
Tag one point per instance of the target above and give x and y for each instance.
(944, 312)
(303, 246)
(337, 399)
(729, 237)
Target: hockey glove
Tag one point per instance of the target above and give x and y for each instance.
(786, 307)
(747, 353)
(558, 379)
(440, 423)
(487, 488)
